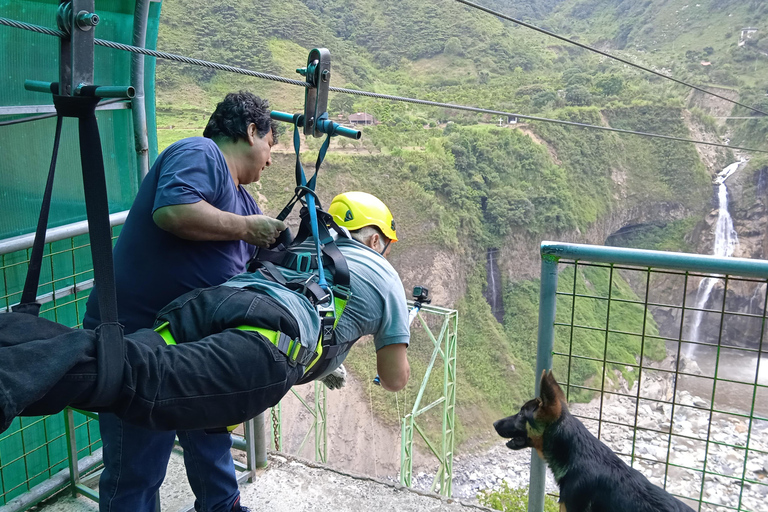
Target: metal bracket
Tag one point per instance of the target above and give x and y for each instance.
(315, 119)
(76, 18)
(318, 75)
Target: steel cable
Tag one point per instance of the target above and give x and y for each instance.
(535, 118)
(605, 54)
(266, 76)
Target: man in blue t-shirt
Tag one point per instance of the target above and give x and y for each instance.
(192, 225)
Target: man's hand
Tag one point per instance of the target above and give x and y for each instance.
(262, 231)
(336, 379)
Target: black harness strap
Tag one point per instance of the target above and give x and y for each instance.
(28, 303)
(110, 344)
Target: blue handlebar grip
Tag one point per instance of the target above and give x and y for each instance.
(324, 125)
(37, 86)
(283, 116)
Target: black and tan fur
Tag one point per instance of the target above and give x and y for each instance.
(590, 476)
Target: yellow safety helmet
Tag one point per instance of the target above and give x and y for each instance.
(355, 210)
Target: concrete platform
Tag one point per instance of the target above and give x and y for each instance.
(291, 484)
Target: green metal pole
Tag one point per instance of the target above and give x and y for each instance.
(546, 343)
(657, 259)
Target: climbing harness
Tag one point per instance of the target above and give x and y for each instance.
(316, 224)
(319, 226)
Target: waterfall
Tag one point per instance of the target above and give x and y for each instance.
(493, 291)
(726, 241)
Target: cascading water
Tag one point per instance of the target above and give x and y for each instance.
(726, 241)
(493, 291)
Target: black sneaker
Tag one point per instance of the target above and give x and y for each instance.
(239, 508)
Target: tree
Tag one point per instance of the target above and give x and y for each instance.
(453, 47)
(543, 99)
(507, 207)
(610, 85)
(342, 103)
(577, 79)
(578, 95)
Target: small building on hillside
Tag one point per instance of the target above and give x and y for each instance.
(362, 118)
(746, 33)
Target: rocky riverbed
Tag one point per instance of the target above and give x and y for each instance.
(721, 448)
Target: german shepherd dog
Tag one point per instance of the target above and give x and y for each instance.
(590, 476)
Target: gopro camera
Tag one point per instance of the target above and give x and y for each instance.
(421, 294)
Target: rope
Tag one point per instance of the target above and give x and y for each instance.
(605, 54)
(232, 69)
(373, 429)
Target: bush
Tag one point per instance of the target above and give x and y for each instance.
(578, 96)
(512, 500)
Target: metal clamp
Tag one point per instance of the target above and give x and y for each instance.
(318, 75)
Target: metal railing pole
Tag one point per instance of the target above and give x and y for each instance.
(546, 341)
(257, 436)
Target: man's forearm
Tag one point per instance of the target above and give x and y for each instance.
(200, 222)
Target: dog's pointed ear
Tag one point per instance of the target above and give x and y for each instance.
(550, 390)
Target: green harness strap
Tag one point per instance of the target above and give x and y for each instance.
(274, 337)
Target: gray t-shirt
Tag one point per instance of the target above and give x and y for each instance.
(377, 306)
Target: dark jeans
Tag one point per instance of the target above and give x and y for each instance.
(223, 378)
(136, 459)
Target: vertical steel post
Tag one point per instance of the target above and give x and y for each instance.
(449, 405)
(406, 450)
(138, 103)
(74, 470)
(256, 443)
(321, 430)
(546, 342)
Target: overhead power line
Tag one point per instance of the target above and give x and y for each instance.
(605, 54)
(266, 76)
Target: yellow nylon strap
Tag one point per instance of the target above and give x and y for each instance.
(165, 333)
(338, 306)
(272, 336)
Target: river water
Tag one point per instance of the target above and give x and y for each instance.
(732, 365)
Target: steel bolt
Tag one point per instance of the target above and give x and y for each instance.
(85, 20)
(325, 76)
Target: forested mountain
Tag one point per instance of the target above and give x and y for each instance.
(463, 184)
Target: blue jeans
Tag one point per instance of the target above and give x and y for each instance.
(135, 461)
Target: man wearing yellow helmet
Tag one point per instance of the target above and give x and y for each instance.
(365, 215)
(234, 349)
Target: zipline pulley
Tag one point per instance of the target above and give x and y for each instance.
(318, 75)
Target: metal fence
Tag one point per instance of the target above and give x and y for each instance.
(34, 450)
(665, 353)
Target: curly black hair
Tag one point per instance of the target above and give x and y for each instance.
(235, 112)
